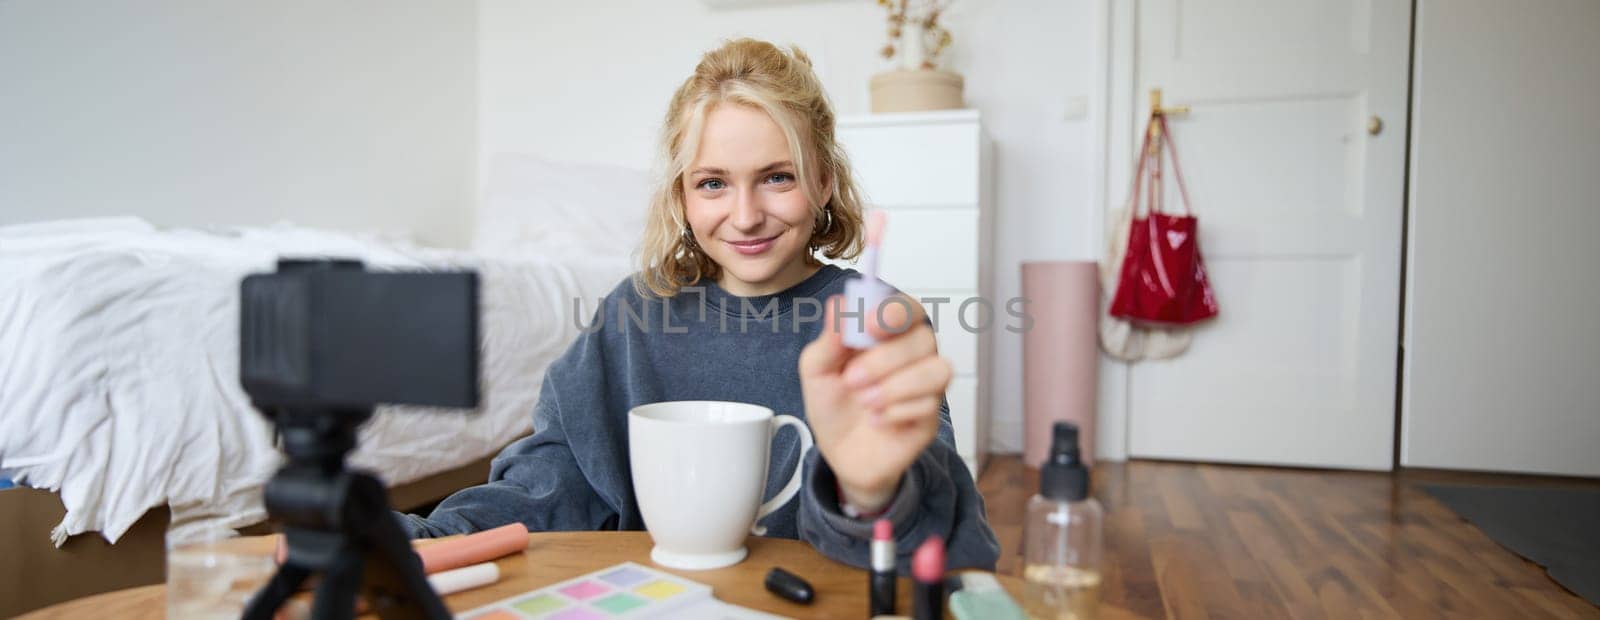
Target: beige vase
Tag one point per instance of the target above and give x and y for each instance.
(916, 90)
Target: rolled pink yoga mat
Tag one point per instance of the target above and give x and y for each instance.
(1060, 354)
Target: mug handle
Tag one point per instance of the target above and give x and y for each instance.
(783, 497)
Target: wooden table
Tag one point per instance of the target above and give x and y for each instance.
(557, 556)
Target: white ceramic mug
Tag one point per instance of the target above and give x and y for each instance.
(699, 470)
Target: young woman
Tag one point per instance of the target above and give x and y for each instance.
(755, 187)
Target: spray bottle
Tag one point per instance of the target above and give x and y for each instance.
(1061, 564)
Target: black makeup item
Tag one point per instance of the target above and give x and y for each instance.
(789, 586)
(927, 575)
(953, 584)
(882, 581)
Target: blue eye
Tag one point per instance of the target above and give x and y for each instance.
(780, 177)
(711, 184)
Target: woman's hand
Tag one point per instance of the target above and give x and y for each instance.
(873, 411)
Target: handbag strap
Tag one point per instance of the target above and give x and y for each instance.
(1155, 199)
(1138, 172)
(1177, 170)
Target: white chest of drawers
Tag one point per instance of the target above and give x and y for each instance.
(928, 172)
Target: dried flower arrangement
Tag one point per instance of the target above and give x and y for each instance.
(923, 18)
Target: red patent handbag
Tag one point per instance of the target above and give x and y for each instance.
(1163, 281)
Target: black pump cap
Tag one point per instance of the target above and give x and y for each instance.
(1063, 477)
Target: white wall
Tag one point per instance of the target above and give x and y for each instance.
(357, 114)
(590, 81)
(1502, 368)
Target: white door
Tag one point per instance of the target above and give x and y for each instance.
(1502, 348)
(1300, 223)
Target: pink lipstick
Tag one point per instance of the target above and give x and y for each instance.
(865, 293)
(882, 585)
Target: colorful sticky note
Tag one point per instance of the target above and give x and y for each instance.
(585, 590)
(542, 603)
(620, 603)
(496, 614)
(659, 590)
(624, 590)
(625, 577)
(577, 613)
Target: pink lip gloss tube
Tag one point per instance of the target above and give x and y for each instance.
(866, 293)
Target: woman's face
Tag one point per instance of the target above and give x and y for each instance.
(745, 205)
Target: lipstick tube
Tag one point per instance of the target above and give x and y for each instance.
(927, 574)
(882, 585)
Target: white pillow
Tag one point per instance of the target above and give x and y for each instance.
(535, 206)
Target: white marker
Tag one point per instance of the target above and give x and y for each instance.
(464, 578)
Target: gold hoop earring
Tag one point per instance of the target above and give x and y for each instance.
(828, 225)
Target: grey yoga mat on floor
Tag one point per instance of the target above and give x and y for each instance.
(1558, 529)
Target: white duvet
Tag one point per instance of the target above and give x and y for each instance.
(119, 377)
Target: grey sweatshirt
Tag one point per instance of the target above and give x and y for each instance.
(702, 344)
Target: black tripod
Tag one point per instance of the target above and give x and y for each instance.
(338, 524)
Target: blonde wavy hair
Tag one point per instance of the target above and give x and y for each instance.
(782, 84)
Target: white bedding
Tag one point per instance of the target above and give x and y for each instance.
(119, 382)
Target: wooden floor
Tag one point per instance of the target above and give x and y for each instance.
(1189, 541)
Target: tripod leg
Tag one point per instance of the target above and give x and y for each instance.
(264, 604)
(340, 585)
(396, 585)
(336, 595)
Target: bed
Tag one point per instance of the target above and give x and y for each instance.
(121, 417)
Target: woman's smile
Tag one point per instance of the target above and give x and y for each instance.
(753, 247)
